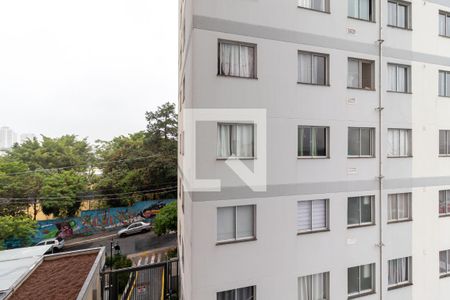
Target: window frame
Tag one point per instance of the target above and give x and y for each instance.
(231, 137)
(238, 43)
(408, 14)
(327, 141)
(326, 10)
(446, 14)
(447, 203)
(326, 65)
(236, 289)
(327, 285)
(371, 12)
(372, 143)
(360, 62)
(447, 143)
(409, 273)
(361, 293)
(372, 212)
(447, 265)
(408, 80)
(446, 86)
(398, 219)
(327, 217)
(409, 132)
(236, 239)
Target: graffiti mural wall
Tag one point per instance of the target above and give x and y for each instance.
(93, 221)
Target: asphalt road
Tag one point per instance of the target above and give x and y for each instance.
(131, 244)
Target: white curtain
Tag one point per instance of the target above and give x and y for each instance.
(304, 67)
(243, 140)
(304, 290)
(229, 59)
(353, 8)
(223, 140)
(392, 14)
(353, 74)
(318, 4)
(318, 69)
(247, 61)
(447, 26)
(318, 286)
(403, 206)
(398, 271)
(393, 215)
(391, 142)
(305, 3)
(304, 218)
(401, 79)
(442, 18)
(403, 148)
(401, 16)
(442, 81)
(364, 9)
(245, 221)
(443, 262)
(392, 77)
(319, 214)
(447, 84)
(226, 223)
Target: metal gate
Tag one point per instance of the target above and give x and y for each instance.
(157, 281)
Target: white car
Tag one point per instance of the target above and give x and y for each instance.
(56, 244)
(134, 228)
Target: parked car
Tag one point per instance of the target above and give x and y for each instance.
(56, 244)
(134, 228)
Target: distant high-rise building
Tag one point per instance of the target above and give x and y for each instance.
(7, 137)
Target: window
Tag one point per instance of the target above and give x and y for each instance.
(246, 293)
(237, 59)
(399, 78)
(399, 272)
(399, 142)
(235, 140)
(360, 211)
(312, 141)
(314, 287)
(444, 203)
(399, 14)
(444, 83)
(444, 263)
(399, 207)
(320, 5)
(361, 141)
(361, 9)
(235, 223)
(444, 142)
(312, 215)
(360, 74)
(360, 280)
(312, 68)
(444, 23)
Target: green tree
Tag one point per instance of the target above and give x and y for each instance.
(19, 227)
(166, 220)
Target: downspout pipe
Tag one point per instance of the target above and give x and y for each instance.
(380, 161)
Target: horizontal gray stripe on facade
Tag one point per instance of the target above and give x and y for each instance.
(297, 37)
(441, 2)
(244, 192)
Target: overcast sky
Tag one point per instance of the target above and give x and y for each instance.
(88, 67)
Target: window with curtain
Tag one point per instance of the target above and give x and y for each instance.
(444, 203)
(312, 141)
(320, 5)
(246, 293)
(361, 280)
(312, 68)
(399, 271)
(399, 207)
(444, 23)
(444, 142)
(235, 223)
(361, 9)
(399, 142)
(444, 83)
(399, 14)
(360, 211)
(361, 141)
(314, 287)
(444, 263)
(235, 140)
(399, 77)
(312, 215)
(237, 59)
(360, 74)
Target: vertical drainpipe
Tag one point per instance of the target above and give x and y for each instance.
(380, 162)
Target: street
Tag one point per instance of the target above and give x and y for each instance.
(132, 244)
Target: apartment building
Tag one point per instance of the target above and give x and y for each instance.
(357, 153)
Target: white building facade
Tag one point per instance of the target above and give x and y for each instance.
(357, 149)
